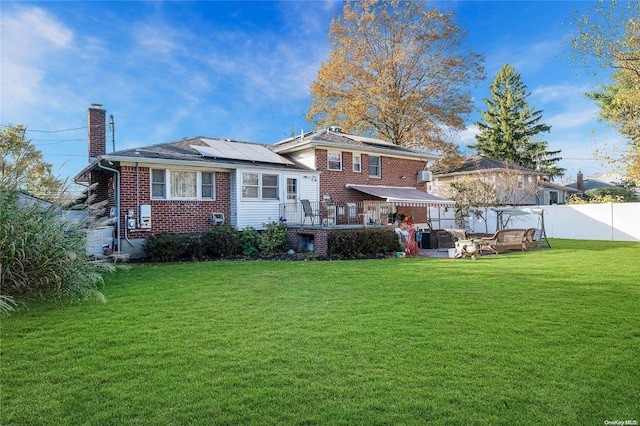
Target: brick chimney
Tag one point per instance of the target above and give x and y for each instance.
(580, 181)
(97, 131)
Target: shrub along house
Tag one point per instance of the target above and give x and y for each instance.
(196, 183)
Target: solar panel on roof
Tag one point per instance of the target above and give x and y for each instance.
(217, 148)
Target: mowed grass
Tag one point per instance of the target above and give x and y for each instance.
(543, 337)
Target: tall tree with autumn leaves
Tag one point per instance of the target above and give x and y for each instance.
(606, 37)
(22, 166)
(396, 71)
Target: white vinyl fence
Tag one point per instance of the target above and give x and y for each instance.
(610, 221)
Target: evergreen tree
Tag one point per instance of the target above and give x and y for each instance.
(509, 127)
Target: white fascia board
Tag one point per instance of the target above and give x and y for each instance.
(163, 162)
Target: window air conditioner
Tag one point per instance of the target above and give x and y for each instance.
(424, 176)
(216, 219)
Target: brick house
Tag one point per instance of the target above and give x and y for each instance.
(190, 185)
(196, 183)
(361, 170)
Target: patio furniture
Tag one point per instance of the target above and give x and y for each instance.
(445, 239)
(507, 239)
(308, 211)
(458, 234)
(529, 238)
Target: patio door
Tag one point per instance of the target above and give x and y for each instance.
(291, 198)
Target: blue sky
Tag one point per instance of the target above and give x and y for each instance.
(242, 70)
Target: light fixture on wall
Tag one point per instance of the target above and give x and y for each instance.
(402, 177)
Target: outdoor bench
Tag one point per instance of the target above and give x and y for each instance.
(507, 239)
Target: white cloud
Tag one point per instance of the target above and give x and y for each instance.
(559, 92)
(31, 38)
(566, 105)
(576, 117)
(468, 136)
(155, 38)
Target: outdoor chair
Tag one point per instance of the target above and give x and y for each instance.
(308, 211)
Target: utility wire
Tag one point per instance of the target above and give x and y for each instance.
(48, 131)
(55, 142)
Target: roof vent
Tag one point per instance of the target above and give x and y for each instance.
(335, 129)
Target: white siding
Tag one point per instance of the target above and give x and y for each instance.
(234, 198)
(256, 213)
(306, 157)
(309, 187)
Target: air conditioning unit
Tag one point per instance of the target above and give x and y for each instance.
(424, 176)
(216, 219)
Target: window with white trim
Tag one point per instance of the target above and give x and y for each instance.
(334, 160)
(374, 166)
(357, 163)
(158, 184)
(182, 185)
(260, 186)
(208, 185)
(250, 185)
(520, 181)
(269, 187)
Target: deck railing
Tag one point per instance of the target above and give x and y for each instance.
(329, 213)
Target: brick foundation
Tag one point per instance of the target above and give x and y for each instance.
(320, 239)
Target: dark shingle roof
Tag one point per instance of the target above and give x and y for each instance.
(474, 163)
(182, 150)
(329, 138)
(558, 187)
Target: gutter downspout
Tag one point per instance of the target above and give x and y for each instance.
(117, 172)
(137, 196)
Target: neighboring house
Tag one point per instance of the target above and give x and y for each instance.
(196, 183)
(608, 180)
(552, 193)
(517, 185)
(26, 200)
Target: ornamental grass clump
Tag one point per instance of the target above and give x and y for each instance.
(43, 255)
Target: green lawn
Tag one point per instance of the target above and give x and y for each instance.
(547, 337)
